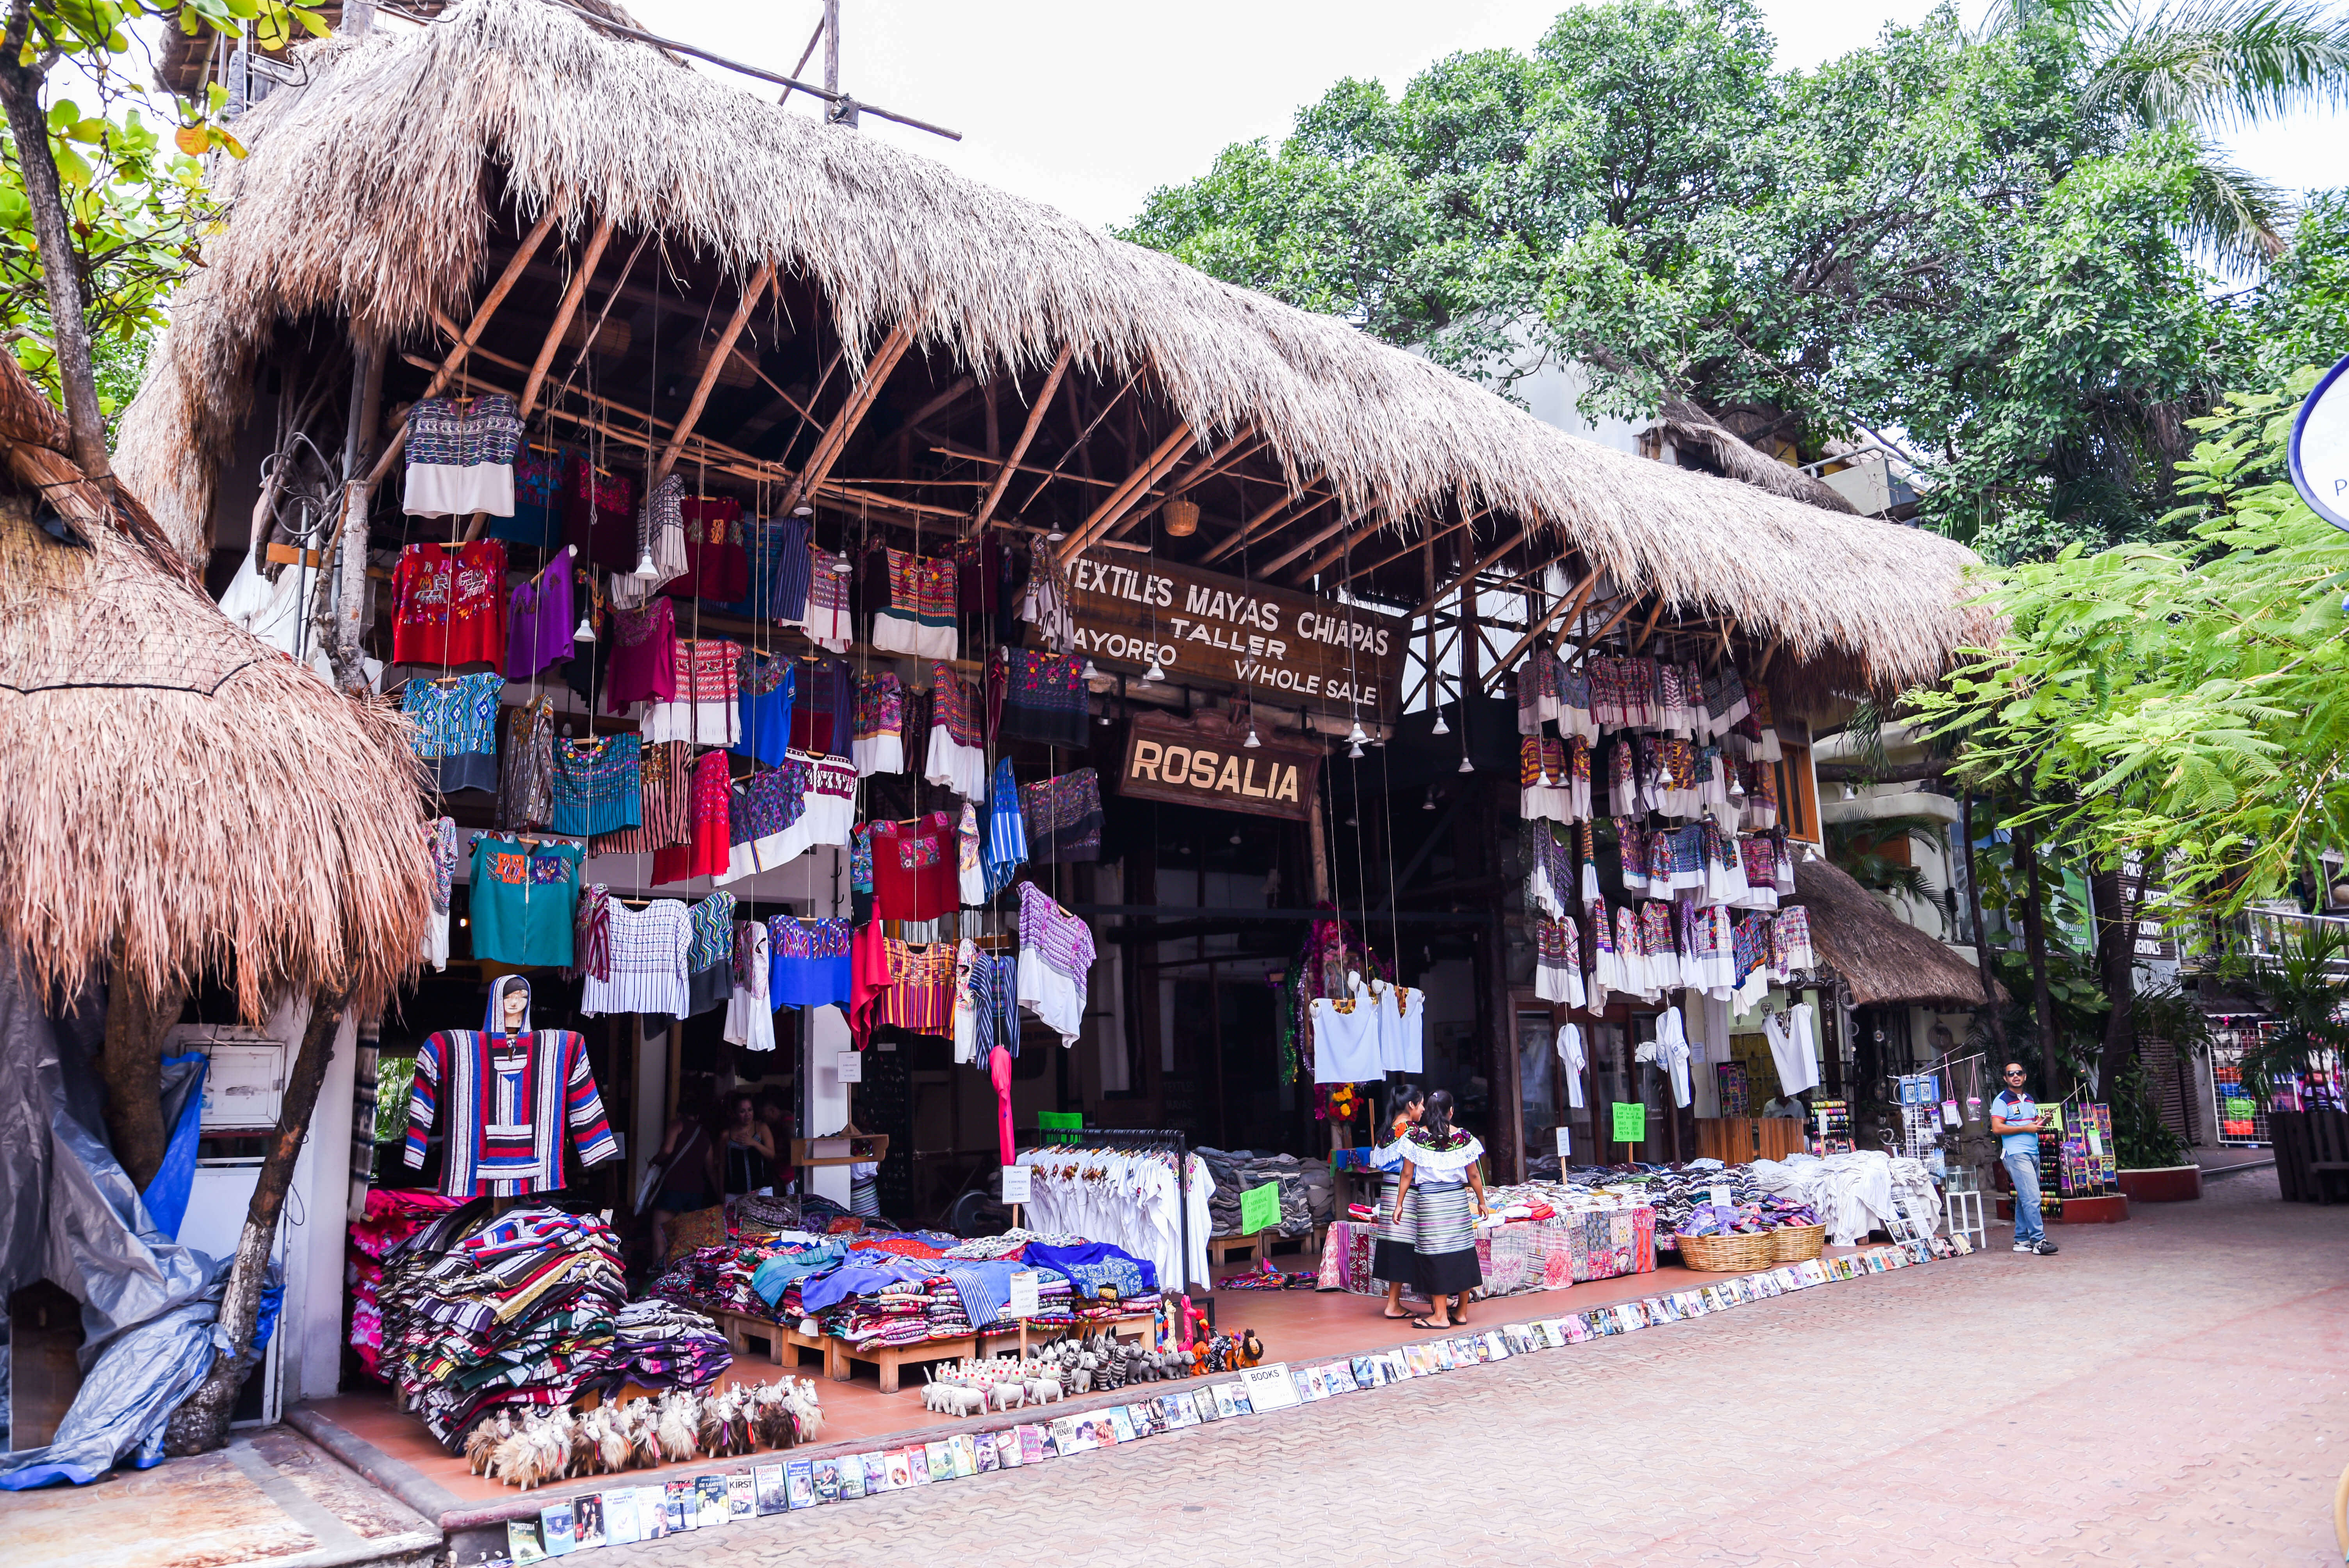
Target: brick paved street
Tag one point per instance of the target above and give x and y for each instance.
(2168, 1391)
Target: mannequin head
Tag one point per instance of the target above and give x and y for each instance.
(509, 1011)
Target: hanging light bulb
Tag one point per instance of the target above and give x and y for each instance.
(1353, 819)
(586, 631)
(1091, 674)
(1429, 804)
(1354, 752)
(1466, 766)
(1441, 727)
(1251, 743)
(1054, 535)
(1358, 736)
(840, 566)
(1236, 835)
(646, 572)
(802, 510)
(1153, 673)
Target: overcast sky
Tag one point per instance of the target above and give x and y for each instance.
(1089, 106)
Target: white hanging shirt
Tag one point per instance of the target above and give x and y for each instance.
(1346, 1038)
(1570, 1055)
(1793, 1048)
(1403, 1027)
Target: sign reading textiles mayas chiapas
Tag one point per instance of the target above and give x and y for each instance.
(1207, 762)
(1294, 648)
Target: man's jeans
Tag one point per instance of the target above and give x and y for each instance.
(2024, 1167)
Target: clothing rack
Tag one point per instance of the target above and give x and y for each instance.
(1139, 1140)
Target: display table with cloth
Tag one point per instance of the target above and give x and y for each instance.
(1571, 1246)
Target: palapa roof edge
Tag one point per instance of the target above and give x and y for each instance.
(363, 196)
(1883, 958)
(170, 782)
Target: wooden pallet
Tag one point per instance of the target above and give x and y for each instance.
(1016, 1340)
(889, 1358)
(741, 1330)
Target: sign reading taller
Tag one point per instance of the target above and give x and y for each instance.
(1288, 648)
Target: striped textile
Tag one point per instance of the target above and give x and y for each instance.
(1006, 833)
(921, 991)
(1445, 1256)
(506, 1098)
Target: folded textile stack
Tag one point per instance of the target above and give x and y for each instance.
(659, 1345)
(1854, 1192)
(1303, 1185)
(1675, 1194)
(390, 1218)
(517, 1310)
(720, 1278)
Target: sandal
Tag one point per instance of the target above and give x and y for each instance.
(1394, 1317)
(1421, 1323)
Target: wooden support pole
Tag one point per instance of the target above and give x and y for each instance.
(1020, 448)
(1293, 551)
(1162, 459)
(1446, 532)
(470, 336)
(571, 296)
(1256, 525)
(1434, 682)
(1648, 630)
(852, 413)
(1565, 606)
(1466, 577)
(710, 371)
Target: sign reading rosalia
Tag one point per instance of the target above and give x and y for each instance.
(1291, 647)
(1208, 762)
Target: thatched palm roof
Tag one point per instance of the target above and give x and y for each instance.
(169, 781)
(365, 198)
(1883, 958)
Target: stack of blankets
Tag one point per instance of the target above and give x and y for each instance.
(1305, 1188)
(389, 1219)
(527, 1309)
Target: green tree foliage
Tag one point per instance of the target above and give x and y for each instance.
(2185, 698)
(1985, 241)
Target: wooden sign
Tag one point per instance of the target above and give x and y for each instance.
(1207, 762)
(1291, 648)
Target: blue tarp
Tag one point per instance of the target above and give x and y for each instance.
(166, 1196)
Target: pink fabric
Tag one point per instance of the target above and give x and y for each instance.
(999, 1067)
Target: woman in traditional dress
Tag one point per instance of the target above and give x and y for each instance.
(1440, 1172)
(1391, 1247)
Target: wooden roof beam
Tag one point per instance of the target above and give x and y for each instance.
(1565, 606)
(1286, 556)
(988, 502)
(1446, 532)
(1258, 524)
(861, 398)
(1470, 575)
(572, 295)
(1122, 500)
(1337, 551)
(1204, 468)
(710, 370)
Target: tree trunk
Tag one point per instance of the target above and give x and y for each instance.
(1982, 934)
(201, 1424)
(2034, 943)
(133, 1068)
(2117, 963)
(20, 92)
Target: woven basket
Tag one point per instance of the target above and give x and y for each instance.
(1725, 1254)
(1796, 1244)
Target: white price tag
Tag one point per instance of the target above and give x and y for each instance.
(1024, 1293)
(849, 1066)
(1015, 1183)
(1723, 1198)
(1564, 1142)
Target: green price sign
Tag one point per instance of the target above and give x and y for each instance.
(1631, 1123)
(2241, 1111)
(1260, 1207)
(1061, 1125)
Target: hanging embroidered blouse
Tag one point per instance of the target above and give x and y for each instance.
(1790, 942)
(1545, 780)
(647, 972)
(751, 1014)
(1557, 962)
(461, 455)
(956, 757)
(1757, 856)
(710, 953)
(1675, 714)
(660, 534)
(596, 785)
(526, 773)
(921, 991)
(828, 811)
(822, 708)
(538, 622)
(1044, 698)
(808, 963)
(917, 614)
(1536, 691)
(1761, 810)
(1725, 867)
(1724, 701)
(455, 724)
(665, 808)
(716, 564)
(503, 1102)
(826, 616)
(537, 519)
(913, 867)
(1657, 949)
(706, 702)
(1056, 956)
(1045, 603)
(1623, 780)
(878, 725)
(776, 557)
(1605, 958)
(1632, 849)
(970, 876)
(524, 900)
(1630, 956)
(449, 607)
(1750, 959)
(768, 682)
(761, 811)
(1706, 962)
(441, 842)
(643, 656)
(599, 514)
(704, 854)
(1062, 816)
(1759, 728)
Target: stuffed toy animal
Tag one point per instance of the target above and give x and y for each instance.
(1251, 1349)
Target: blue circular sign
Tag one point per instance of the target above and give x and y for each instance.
(2318, 453)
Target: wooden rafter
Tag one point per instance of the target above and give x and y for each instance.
(1648, 630)
(1293, 551)
(986, 503)
(1083, 435)
(709, 372)
(1566, 605)
(1582, 649)
(861, 398)
(1128, 495)
(572, 295)
(1470, 575)
(1257, 524)
(1446, 532)
(1204, 468)
(470, 336)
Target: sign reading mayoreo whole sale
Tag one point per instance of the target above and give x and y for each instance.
(1292, 647)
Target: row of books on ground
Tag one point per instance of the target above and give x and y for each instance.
(628, 1514)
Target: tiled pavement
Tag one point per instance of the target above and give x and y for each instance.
(2172, 1390)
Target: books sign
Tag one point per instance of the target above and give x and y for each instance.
(2318, 453)
(1207, 761)
(1293, 648)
